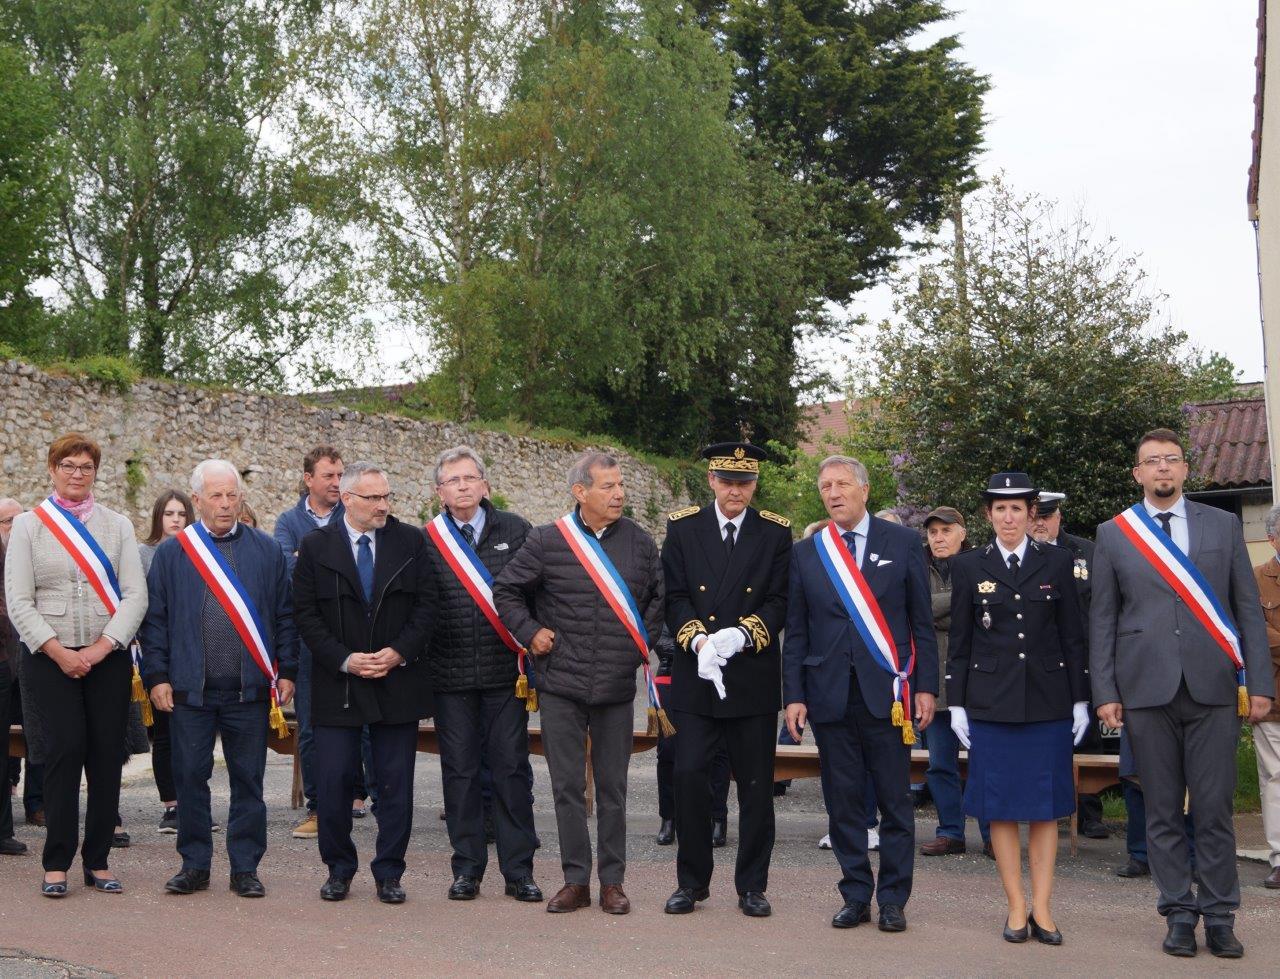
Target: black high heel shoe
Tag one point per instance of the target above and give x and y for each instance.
(107, 885)
(53, 888)
(1016, 935)
(1042, 936)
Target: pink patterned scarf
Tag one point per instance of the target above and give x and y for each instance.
(81, 510)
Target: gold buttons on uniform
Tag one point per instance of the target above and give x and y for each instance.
(711, 618)
(1022, 656)
(1017, 598)
(748, 589)
(1019, 615)
(702, 588)
(1021, 636)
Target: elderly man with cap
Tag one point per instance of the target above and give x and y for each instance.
(1047, 528)
(725, 568)
(945, 537)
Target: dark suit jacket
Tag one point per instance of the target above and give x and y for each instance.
(1143, 641)
(1017, 651)
(707, 591)
(822, 643)
(334, 622)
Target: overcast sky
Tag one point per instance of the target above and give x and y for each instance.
(1140, 112)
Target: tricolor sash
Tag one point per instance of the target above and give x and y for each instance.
(1189, 584)
(586, 548)
(93, 563)
(864, 611)
(231, 594)
(466, 565)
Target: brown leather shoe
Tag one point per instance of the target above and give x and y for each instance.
(570, 898)
(942, 846)
(1272, 880)
(613, 901)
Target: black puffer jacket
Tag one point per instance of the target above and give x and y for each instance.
(594, 659)
(465, 653)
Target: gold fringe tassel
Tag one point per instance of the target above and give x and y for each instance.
(277, 722)
(531, 702)
(895, 713)
(141, 699)
(1242, 701)
(652, 727)
(522, 687)
(664, 724)
(908, 734)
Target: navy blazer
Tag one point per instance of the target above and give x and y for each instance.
(821, 644)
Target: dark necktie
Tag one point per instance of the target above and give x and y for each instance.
(728, 539)
(851, 539)
(1166, 519)
(1013, 565)
(469, 533)
(364, 566)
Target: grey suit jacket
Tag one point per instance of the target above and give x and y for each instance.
(1143, 639)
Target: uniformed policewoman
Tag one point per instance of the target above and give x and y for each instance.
(1018, 692)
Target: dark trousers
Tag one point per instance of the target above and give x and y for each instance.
(719, 778)
(306, 739)
(338, 762)
(751, 747)
(848, 749)
(476, 727)
(243, 729)
(566, 725)
(1135, 824)
(8, 682)
(84, 729)
(162, 756)
(1185, 745)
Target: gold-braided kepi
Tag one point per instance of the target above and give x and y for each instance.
(737, 461)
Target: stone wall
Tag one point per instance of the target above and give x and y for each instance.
(153, 436)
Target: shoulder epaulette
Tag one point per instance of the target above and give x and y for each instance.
(688, 511)
(776, 518)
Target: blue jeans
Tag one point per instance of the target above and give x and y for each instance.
(943, 778)
(243, 728)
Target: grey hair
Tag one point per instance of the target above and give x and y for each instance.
(210, 466)
(10, 501)
(1271, 523)
(457, 454)
(858, 469)
(353, 473)
(580, 471)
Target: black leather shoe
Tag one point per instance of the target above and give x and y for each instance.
(755, 905)
(1043, 936)
(120, 840)
(523, 889)
(335, 888)
(666, 833)
(188, 882)
(390, 891)
(851, 915)
(246, 884)
(892, 918)
(683, 899)
(1134, 868)
(464, 888)
(719, 832)
(1221, 941)
(1094, 830)
(1181, 940)
(12, 847)
(1016, 935)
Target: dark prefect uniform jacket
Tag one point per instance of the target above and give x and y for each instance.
(334, 622)
(593, 660)
(707, 591)
(465, 652)
(1016, 649)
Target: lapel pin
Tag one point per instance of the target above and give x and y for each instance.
(986, 587)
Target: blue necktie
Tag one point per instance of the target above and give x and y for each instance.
(851, 539)
(364, 566)
(469, 533)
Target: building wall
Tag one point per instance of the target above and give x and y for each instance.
(153, 436)
(1268, 229)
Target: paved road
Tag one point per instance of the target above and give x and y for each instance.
(955, 914)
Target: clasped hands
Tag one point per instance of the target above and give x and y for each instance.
(722, 645)
(374, 666)
(75, 663)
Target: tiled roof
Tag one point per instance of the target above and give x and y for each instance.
(829, 418)
(1229, 443)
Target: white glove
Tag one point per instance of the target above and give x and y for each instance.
(960, 724)
(728, 643)
(709, 666)
(1079, 721)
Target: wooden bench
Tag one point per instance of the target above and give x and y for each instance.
(1092, 773)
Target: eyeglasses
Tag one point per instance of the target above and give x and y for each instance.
(458, 481)
(376, 497)
(1170, 460)
(70, 469)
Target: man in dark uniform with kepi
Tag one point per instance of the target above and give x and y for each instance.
(725, 567)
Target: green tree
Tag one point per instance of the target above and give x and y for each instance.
(186, 235)
(1035, 346)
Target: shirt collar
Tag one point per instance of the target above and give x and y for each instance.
(355, 535)
(721, 519)
(476, 522)
(861, 528)
(1179, 509)
(231, 534)
(1020, 550)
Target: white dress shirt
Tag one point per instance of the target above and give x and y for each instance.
(1177, 526)
(1020, 550)
(476, 522)
(721, 520)
(861, 528)
(355, 536)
